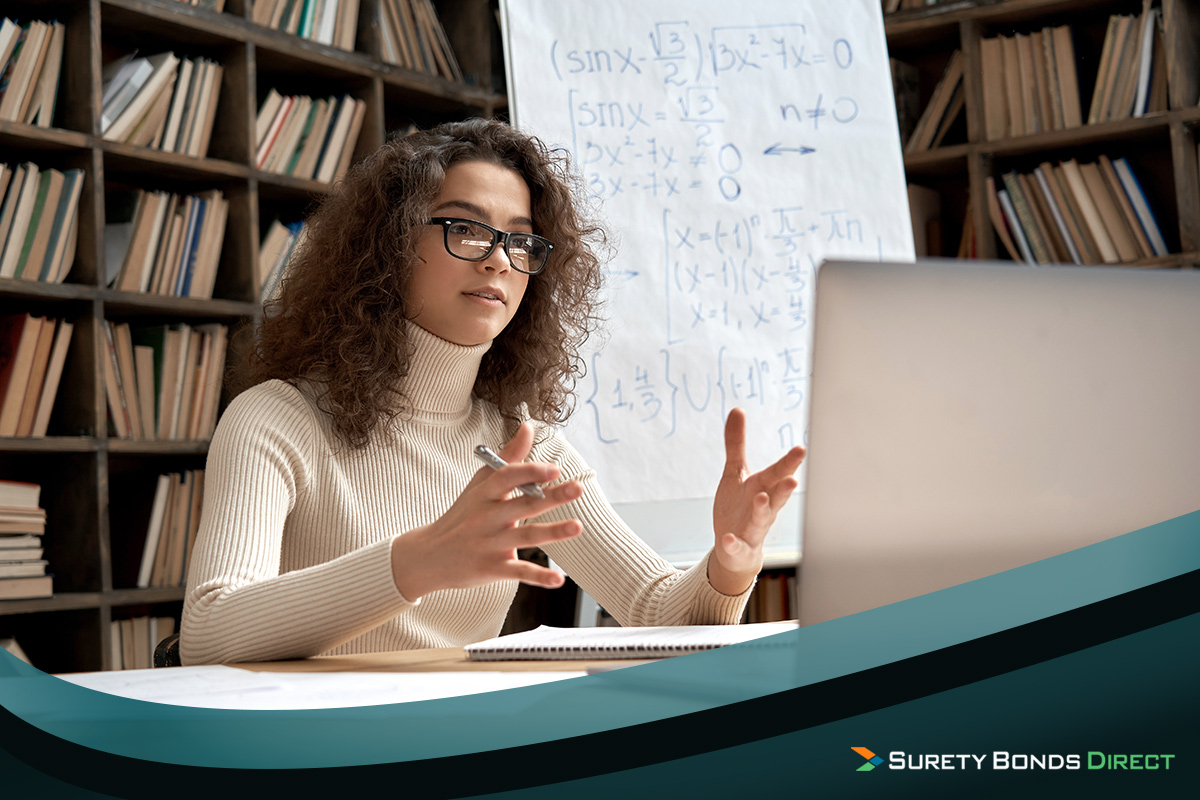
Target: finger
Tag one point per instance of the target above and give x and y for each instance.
(533, 575)
(781, 491)
(523, 506)
(519, 507)
(542, 533)
(752, 530)
(735, 441)
(762, 513)
(517, 449)
(734, 546)
(785, 466)
(502, 482)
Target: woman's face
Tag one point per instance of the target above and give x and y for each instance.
(471, 302)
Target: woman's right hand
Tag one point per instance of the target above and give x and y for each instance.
(475, 542)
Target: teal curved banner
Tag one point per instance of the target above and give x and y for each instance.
(608, 701)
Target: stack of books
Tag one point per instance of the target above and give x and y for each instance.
(165, 243)
(306, 138)
(1030, 84)
(33, 351)
(273, 255)
(133, 640)
(413, 37)
(943, 109)
(174, 520)
(38, 217)
(30, 63)
(22, 525)
(1132, 76)
(1092, 213)
(161, 101)
(164, 382)
(331, 22)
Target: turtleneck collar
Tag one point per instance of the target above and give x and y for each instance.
(442, 374)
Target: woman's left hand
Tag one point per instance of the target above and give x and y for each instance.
(744, 509)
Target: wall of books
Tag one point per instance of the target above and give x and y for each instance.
(1052, 132)
(157, 161)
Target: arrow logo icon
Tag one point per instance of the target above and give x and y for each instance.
(873, 760)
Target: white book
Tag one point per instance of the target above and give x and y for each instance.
(1133, 190)
(266, 114)
(1014, 224)
(182, 84)
(131, 77)
(179, 379)
(160, 216)
(1145, 60)
(204, 99)
(9, 33)
(22, 211)
(163, 67)
(1056, 212)
(41, 110)
(337, 140)
(8, 209)
(21, 78)
(114, 75)
(22, 569)
(154, 530)
(58, 357)
(324, 28)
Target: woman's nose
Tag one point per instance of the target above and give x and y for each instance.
(497, 260)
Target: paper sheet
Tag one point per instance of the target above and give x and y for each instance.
(732, 147)
(232, 688)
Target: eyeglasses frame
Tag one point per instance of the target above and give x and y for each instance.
(499, 237)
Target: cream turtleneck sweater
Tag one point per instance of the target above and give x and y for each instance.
(293, 555)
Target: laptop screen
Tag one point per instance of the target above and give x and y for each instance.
(972, 417)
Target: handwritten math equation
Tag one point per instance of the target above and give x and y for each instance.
(657, 397)
(668, 137)
(714, 144)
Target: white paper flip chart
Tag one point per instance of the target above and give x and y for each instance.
(732, 147)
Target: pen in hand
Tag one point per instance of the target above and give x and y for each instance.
(487, 456)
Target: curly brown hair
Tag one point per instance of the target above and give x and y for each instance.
(341, 318)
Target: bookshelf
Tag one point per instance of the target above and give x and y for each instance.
(1161, 147)
(97, 488)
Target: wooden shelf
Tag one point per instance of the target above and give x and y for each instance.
(93, 484)
(1163, 143)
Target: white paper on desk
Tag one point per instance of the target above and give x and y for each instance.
(232, 688)
(158, 685)
(547, 642)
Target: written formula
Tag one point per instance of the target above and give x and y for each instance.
(677, 53)
(658, 397)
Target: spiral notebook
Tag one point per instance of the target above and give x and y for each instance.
(548, 643)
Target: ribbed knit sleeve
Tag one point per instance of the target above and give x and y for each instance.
(620, 571)
(239, 607)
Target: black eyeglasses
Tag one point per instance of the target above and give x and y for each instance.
(475, 241)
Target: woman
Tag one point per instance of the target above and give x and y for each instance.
(438, 303)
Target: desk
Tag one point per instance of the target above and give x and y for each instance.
(336, 681)
(441, 659)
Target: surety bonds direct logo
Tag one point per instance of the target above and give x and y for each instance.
(873, 760)
(1004, 760)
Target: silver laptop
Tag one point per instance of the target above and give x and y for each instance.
(972, 417)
